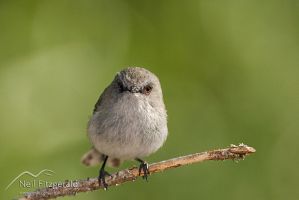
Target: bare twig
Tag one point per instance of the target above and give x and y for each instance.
(73, 187)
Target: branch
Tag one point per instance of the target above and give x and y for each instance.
(73, 187)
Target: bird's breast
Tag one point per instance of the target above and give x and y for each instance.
(130, 128)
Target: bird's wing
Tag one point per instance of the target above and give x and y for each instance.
(100, 100)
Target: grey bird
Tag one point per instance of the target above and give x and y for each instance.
(129, 121)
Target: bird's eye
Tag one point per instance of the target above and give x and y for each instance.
(147, 90)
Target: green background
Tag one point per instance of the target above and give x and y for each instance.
(229, 72)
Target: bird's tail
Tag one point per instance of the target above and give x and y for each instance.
(93, 158)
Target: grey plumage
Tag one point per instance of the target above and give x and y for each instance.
(129, 120)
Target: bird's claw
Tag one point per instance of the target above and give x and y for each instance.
(144, 168)
(102, 180)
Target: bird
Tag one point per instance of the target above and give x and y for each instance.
(129, 122)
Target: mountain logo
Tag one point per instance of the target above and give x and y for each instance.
(47, 172)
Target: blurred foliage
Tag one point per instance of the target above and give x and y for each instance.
(229, 72)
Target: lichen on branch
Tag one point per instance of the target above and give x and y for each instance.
(233, 152)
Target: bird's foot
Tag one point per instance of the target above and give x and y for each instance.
(144, 168)
(102, 180)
